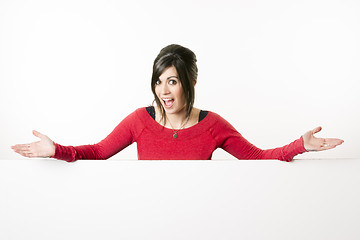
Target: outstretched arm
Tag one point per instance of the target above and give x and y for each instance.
(122, 136)
(312, 143)
(43, 148)
(229, 139)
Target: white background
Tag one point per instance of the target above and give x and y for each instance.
(274, 69)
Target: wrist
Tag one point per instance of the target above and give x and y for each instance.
(53, 150)
(305, 145)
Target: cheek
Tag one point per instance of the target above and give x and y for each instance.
(180, 94)
(156, 91)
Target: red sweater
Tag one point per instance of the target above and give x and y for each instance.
(155, 142)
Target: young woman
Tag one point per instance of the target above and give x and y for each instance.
(174, 129)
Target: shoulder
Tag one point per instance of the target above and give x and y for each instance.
(219, 128)
(215, 117)
(135, 121)
(142, 114)
(218, 122)
(136, 116)
(141, 111)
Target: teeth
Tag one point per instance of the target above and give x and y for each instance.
(166, 99)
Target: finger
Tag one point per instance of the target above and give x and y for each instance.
(329, 143)
(37, 134)
(21, 147)
(25, 153)
(316, 130)
(28, 154)
(334, 141)
(327, 147)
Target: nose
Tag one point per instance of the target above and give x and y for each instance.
(164, 88)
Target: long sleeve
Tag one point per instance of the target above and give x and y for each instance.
(122, 136)
(229, 139)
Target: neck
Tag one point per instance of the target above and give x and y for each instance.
(179, 119)
(176, 120)
(173, 120)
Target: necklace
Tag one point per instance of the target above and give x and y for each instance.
(176, 131)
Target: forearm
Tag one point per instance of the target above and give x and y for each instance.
(240, 148)
(71, 153)
(121, 137)
(285, 153)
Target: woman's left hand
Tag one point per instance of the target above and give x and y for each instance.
(312, 143)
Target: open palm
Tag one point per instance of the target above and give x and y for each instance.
(43, 148)
(312, 143)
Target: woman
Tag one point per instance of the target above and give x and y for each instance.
(174, 129)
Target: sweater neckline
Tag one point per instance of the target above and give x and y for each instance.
(183, 134)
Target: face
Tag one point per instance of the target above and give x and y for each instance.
(170, 92)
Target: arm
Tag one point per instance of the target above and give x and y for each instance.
(234, 143)
(242, 149)
(122, 136)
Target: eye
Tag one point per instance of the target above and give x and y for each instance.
(157, 82)
(172, 82)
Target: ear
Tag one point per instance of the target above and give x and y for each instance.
(195, 81)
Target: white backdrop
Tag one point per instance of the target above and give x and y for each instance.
(274, 69)
(73, 69)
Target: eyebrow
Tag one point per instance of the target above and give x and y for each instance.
(172, 77)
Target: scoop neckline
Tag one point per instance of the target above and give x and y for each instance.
(184, 133)
(175, 128)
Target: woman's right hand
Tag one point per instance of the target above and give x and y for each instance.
(43, 148)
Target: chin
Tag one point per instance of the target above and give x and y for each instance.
(174, 110)
(170, 111)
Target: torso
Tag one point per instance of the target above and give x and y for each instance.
(155, 141)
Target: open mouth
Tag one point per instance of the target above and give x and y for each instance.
(168, 102)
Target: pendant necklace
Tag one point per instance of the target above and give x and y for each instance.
(176, 131)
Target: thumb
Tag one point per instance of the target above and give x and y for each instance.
(316, 130)
(37, 134)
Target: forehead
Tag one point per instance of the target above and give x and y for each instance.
(169, 72)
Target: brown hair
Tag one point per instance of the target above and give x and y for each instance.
(184, 60)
